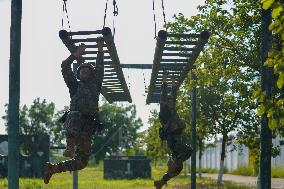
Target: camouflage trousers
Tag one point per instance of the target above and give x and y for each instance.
(75, 122)
(82, 129)
(179, 149)
(179, 152)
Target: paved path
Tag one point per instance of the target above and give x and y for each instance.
(277, 183)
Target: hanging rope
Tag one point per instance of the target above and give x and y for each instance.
(115, 13)
(164, 14)
(155, 19)
(105, 14)
(115, 10)
(65, 11)
(144, 80)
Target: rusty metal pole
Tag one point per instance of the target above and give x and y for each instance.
(14, 94)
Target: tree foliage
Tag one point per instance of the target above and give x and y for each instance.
(274, 107)
(40, 118)
(120, 128)
(155, 147)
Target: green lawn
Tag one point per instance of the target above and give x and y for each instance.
(92, 178)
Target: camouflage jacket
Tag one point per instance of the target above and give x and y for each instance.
(84, 95)
(169, 117)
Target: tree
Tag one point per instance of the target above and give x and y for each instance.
(40, 118)
(120, 126)
(155, 147)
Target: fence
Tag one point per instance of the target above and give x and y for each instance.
(236, 156)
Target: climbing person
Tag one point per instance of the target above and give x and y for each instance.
(171, 131)
(82, 120)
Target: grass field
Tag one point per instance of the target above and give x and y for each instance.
(92, 178)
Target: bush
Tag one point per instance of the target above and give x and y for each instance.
(246, 171)
(277, 172)
(209, 170)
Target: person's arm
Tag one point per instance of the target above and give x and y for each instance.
(164, 91)
(99, 71)
(174, 88)
(67, 72)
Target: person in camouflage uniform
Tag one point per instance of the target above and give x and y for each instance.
(171, 131)
(81, 121)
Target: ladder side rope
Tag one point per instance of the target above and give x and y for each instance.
(155, 19)
(164, 14)
(105, 14)
(115, 13)
(65, 11)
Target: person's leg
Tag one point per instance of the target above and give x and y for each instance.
(79, 162)
(180, 151)
(72, 125)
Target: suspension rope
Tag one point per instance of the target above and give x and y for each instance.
(65, 11)
(155, 18)
(164, 14)
(115, 10)
(144, 80)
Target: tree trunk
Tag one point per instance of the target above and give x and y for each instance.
(264, 176)
(200, 160)
(222, 162)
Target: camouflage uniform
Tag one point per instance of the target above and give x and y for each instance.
(172, 132)
(83, 110)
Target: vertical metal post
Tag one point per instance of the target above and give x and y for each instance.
(75, 179)
(193, 134)
(264, 177)
(14, 94)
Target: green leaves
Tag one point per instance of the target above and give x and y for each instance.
(276, 12)
(280, 81)
(266, 4)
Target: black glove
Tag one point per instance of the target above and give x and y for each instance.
(63, 118)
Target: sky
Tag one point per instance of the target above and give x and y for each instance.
(42, 51)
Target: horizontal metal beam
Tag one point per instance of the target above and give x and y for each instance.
(137, 66)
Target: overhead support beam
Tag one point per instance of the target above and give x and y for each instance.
(114, 81)
(137, 66)
(184, 50)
